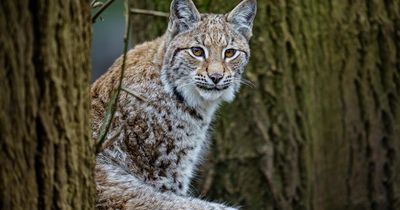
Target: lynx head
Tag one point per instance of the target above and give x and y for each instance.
(206, 54)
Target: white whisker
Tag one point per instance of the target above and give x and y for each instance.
(245, 82)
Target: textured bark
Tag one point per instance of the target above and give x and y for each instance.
(47, 156)
(321, 129)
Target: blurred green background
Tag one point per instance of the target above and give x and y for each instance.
(107, 40)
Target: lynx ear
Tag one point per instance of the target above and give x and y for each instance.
(242, 17)
(183, 16)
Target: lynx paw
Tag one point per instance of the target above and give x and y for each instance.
(230, 208)
(222, 207)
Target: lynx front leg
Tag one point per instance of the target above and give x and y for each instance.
(168, 201)
(118, 189)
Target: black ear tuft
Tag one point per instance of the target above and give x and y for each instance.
(183, 16)
(242, 17)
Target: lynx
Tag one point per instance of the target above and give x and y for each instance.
(154, 145)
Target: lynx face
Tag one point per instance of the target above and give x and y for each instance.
(207, 53)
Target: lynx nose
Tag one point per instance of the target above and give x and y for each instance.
(216, 77)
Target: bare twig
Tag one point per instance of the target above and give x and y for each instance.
(148, 12)
(92, 3)
(111, 140)
(107, 120)
(134, 94)
(208, 180)
(101, 10)
(96, 3)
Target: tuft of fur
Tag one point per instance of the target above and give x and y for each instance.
(154, 146)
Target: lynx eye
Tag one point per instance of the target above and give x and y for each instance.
(197, 51)
(229, 53)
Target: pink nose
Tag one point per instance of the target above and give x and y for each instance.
(216, 77)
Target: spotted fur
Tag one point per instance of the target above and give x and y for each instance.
(155, 145)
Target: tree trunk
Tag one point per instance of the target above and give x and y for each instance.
(47, 156)
(321, 129)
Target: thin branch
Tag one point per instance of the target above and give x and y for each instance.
(134, 94)
(92, 3)
(103, 134)
(148, 12)
(96, 3)
(111, 140)
(208, 181)
(101, 10)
